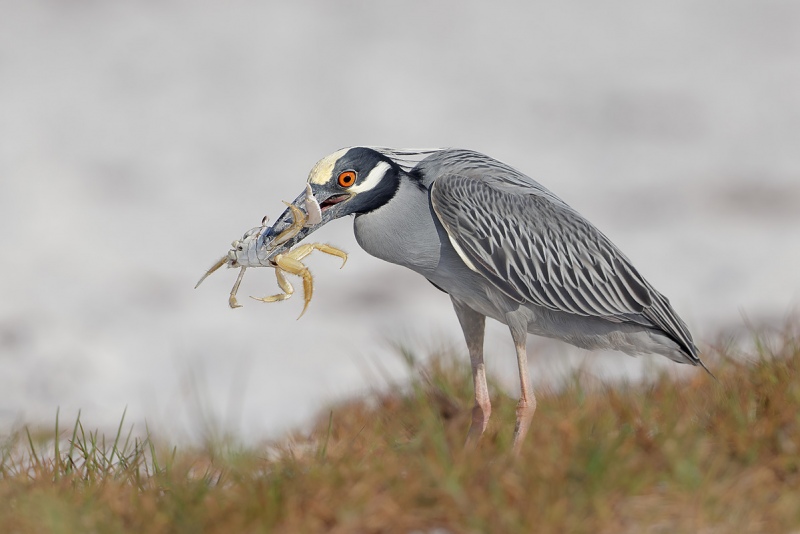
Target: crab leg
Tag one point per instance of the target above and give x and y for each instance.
(291, 263)
(222, 261)
(232, 302)
(284, 284)
(327, 249)
(299, 220)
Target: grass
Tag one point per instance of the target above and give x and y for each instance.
(697, 455)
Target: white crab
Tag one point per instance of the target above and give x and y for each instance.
(254, 251)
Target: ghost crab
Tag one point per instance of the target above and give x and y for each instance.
(257, 249)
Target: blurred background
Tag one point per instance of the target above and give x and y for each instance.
(138, 139)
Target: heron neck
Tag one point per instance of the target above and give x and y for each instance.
(402, 231)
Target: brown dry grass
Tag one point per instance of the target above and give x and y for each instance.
(691, 456)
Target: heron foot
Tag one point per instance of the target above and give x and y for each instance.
(525, 410)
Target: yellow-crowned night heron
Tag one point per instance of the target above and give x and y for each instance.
(502, 246)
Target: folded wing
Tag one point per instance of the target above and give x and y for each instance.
(537, 249)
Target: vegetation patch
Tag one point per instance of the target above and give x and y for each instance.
(695, 455)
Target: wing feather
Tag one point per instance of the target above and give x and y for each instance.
(532, 246)
(541, 251)
(537, 249)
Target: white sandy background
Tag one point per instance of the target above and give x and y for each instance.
(137, 139)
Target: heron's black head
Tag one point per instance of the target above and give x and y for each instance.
(354, 180)
(350, 181)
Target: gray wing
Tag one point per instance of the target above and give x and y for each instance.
(537, 249)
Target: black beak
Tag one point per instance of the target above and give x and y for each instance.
(332, 207)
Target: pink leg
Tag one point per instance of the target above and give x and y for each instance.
(473, 325)
(527, 400)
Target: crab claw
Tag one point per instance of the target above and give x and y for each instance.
(313, 210)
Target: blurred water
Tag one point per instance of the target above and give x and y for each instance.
(137, 139)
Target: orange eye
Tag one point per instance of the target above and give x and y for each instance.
(347, 178)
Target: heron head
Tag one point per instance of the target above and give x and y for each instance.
(350, 181)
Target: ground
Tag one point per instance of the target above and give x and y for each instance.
(700, 454)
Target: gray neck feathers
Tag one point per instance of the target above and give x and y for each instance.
(402, 231)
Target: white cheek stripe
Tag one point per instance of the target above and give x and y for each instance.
(373, 178)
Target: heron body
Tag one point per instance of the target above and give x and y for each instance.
(502, 246)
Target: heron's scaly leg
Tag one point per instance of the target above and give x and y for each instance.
(473, 325)
(527, 400)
